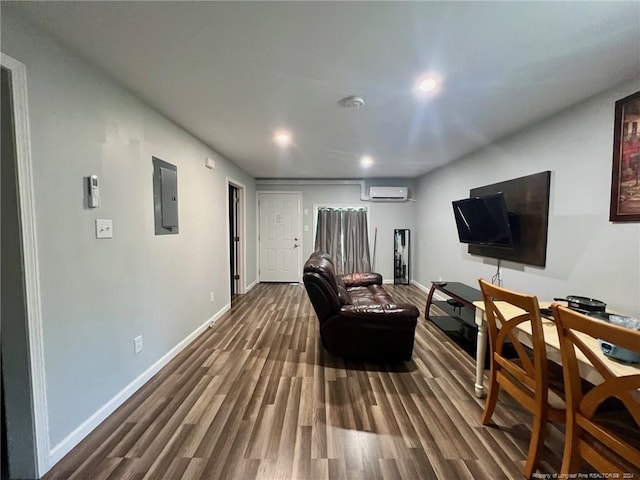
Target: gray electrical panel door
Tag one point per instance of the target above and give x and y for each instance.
(165, 197)
(169, 197)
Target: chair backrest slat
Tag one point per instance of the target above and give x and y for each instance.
(611, 446)
(604, 371)
(501, 327)
(506, 332)
(510, 316)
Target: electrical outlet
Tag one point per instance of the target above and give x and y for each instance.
(211, 297)
(104, 228)
(137, 344)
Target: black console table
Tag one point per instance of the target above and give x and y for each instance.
(456, 317)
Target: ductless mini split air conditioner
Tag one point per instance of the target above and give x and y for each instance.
(388, 194)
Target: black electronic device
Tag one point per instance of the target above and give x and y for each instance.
(527, 200)
(546, 312)
(483, 220)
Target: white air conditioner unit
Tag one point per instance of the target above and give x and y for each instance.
(388, 194)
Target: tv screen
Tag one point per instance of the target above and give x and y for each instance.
(483, 221)
(527, 200)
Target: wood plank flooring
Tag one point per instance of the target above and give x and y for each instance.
(258, 397)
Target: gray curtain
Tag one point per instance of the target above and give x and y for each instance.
(344, 235)
(356, 241)
(329, 235)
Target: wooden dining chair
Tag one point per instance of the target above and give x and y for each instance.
(607, 438)
(524, 377)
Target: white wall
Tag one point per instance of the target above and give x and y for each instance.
(586, 254)
(385, 215)
(97, 295)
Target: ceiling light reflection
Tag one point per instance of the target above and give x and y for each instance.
(282, 138)
(427, 84)
(366, 161)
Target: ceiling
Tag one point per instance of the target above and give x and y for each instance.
(232, 73)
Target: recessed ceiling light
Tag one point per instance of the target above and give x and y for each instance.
(366, 161)
(282, 138)
(427, 83)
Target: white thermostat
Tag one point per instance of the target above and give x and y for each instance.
(94, 192)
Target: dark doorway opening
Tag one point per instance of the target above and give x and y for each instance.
(5, 455)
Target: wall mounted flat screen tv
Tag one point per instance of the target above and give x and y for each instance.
(483, 221)
(527, 203)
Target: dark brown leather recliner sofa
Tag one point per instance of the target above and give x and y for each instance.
(358, 318)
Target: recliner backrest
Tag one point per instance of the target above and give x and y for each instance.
(320, 282)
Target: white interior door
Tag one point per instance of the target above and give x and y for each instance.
(279, 237)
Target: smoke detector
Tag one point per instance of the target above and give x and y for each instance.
(352, 101)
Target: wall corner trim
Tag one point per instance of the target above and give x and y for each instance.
(26, 200)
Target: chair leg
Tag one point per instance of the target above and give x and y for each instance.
(535, 445)
(570, 459)
(492, 397)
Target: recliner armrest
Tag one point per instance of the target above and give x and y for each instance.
(361, 279)
(401, 313)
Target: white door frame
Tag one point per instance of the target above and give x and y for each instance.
(242, 227)
(26, 199)
(299, 194)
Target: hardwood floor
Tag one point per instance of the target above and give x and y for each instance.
(258, 397)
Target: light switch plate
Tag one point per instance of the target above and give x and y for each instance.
(104, 228)
(137, 344)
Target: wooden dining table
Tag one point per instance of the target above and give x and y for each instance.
(587, 371)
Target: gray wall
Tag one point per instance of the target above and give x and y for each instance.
(97, 295)
(385, 215)
(587, 254)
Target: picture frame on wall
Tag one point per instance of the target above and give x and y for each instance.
(625, 176)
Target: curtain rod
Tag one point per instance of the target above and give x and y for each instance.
(342, 208)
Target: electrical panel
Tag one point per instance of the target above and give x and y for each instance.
(165, 197)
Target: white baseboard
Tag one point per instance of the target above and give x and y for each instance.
(440, 296)
(75, 437)
(251, 285)
(420, 286)
(436, 295)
